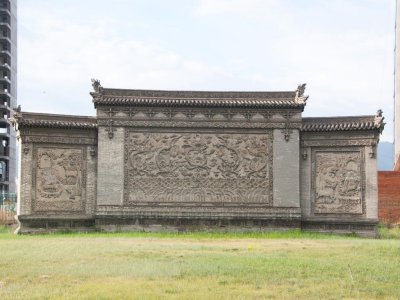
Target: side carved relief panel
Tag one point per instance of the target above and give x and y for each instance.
(59, 181)
(339, 182)
(190, 168)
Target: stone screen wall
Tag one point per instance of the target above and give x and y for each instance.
(185, 160)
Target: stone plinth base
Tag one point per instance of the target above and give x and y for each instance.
(108, 223)
(150, 224)
(51, 224)
(367, 228)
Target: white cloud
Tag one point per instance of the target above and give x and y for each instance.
(227, 45)
(62, 56)
(243, 7)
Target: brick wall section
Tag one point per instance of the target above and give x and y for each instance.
(389, 196)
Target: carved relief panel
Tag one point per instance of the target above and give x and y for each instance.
(59, 179)
(338, 182)
(198, 168)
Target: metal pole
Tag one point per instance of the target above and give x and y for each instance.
(397, 91)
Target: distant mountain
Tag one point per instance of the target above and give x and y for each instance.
(385, 156)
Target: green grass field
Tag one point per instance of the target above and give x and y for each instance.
(287, 265)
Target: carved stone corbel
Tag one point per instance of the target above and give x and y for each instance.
(150, 113)
(372, 152)
(170, 113)
(26, 149)
(304, 154)
(267, 115)
(190, 114)
(92, 151)
(248, 115)
(287, 132)
(131, 112)
(209, 114)
(229, 115)
(110, 124)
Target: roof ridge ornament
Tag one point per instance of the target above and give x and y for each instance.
(300, 97)
(96, 85)
(16, 117)
(379, 120)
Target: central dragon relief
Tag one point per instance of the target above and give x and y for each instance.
(198, 167)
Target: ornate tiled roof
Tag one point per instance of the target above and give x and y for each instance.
(120, 97)
(344, 123)
(25, 119)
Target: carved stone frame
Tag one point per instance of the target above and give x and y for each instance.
(83, 174)
(355, 149)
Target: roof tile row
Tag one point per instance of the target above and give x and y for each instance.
(238, 102)
(56, 124)
(342, 124)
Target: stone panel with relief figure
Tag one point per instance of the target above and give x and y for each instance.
(59, 179)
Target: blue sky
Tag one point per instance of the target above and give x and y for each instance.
(342, 49)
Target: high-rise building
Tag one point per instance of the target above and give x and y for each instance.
(8, 94)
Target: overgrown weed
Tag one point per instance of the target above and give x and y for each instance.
(388, 232)
(202, 235)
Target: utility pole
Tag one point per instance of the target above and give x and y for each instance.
(397, 91)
